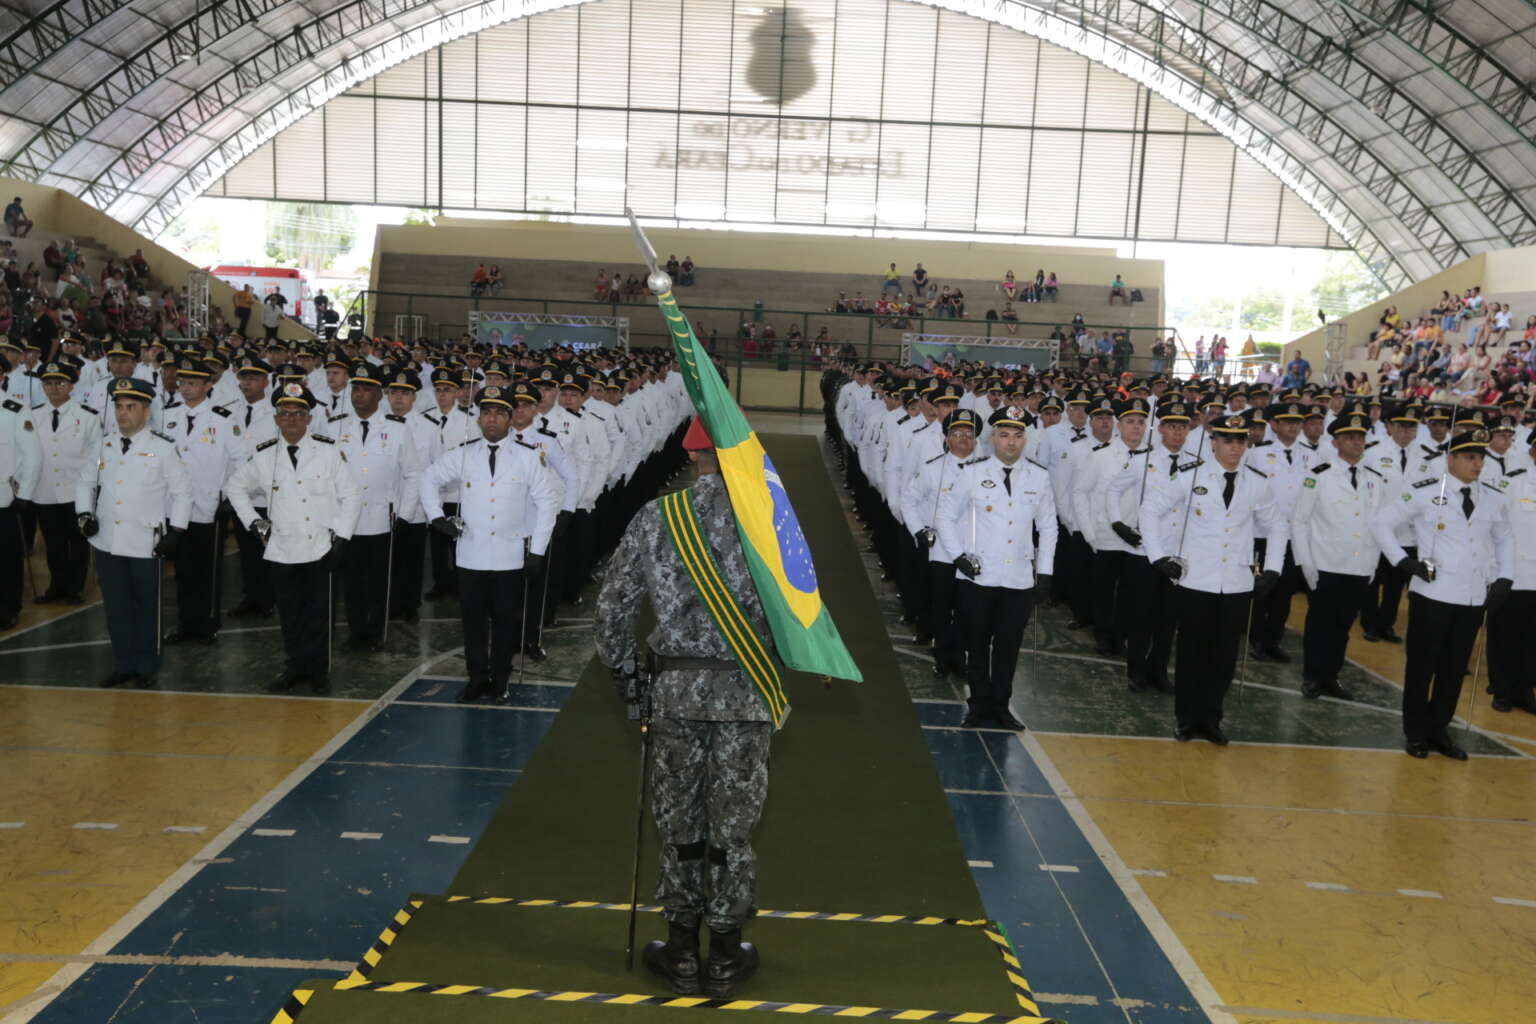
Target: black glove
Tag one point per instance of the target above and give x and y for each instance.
(534, 563)
(88, 524)
(1126, 534)
(333, 557)
(166, 548)
(1265, 583)
(1169, 566)
(447, 527)
(927, 537)
(1042, 587)
(1415, 567)
(563, 523)
(1498, 592)
(970, 565)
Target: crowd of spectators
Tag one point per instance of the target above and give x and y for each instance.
(1461, 346)
(41, 303)
(486, 281)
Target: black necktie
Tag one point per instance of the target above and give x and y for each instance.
(365, 431)
(1354, 481)
(1403, 463)
(293, 455)
(55, 421)
(1466, 502)
(493, 460)
(248, 408)
(1008, 479)
(1173, 465)
(126, 442)
(1226, 492)
(1288, 458)
(189, 424)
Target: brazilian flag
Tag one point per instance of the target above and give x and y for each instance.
(776, 550)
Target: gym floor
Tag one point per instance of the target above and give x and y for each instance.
(193, 852)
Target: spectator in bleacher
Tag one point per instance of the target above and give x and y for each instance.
(1050, 286)
(892, 281)
(494, 282)
(957, 302)
(685, 271)
(478, 281)
(1530, 329)
(245, 301)
(1009, 318)
(1159, 355)
(1501, 324)
(139, 265)
(860, 303)
(919, 281)
(272, 311)
(1218, 356)
(1123, 350)
(1039, 284)
(53, 259)
(674, 268)
(16, 220)
(1009, 286)
(600, 286)
(1117, 288)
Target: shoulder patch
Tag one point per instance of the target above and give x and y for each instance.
(1191, 465)
(1371, 444)
(168, 439)
(268, 443)
(435, 421)
(393, 417)
(322, 438)
(600, 419)
(1368, 469)
(1427, 482)
(1077, 439)
(1257, 472)
(11, 405)
(39, 405)
(1261, 444)
(471, 441)
(221, 410)
(1320, 467)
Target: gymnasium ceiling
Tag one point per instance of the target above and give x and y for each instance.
(1401, 128)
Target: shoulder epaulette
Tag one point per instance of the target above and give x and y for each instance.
(1076, 439)
(268, 443)
(1490, 486)
(322, 438)
(1429, 452)
(1516, 472)
(1427, 482)
(525, 444)
(1368, 469)
(12, 405)
(172, 404)
(221, 410)
(1310, 445)
(574, 412)
(548, 433)
(168, 439)
(88, 409)
(1192, 465)
(428, 417)
(1320, 467)
(392, 416)
(936, 458)
(903, 419)
(595, 416)
(1261, 444)
(1101, 445)
(339, 416)
(1032, 462)
(1255, 469)
(39, 405)
(471, 441)
(1372, 444)
(977, 459)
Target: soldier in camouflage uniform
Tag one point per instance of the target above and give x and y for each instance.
(710, 733)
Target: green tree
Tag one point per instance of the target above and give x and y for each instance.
(310, 235)
(1344, 286)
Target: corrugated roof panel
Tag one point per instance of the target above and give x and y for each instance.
(700, 158)
(551, 63)
(1299, 223)
(750, 177)
(502, 62)
(961, 67)
(1254, 217)
(1159, 183)
(602, 52)
(408, 78)
(900, 193)
(1115, 100)
(600, 181)
(501, 132)
(403, 152)
(952, 185)
(1206, 189)
(802, 164)
(349, 150)
(253, 177)
(1063, 88)
(1004, 180)
(551, 159)
(1107, 182)
(1010, 77)
(858, 67)
(459, 150)
(912, 32)
(458, 69)
(1055, 158)
(300, 150)
(655, 56)
(707, 60)
(652, 153)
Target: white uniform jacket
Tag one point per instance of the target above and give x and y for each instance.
(134, 493)
(519, 502)
(1090, 487)
(920, 500)
(210, 449)
(64, 449)
(1521, 496)
(979, 516)
(1332, 523)
(1218, 544)
(308, 506)
(1285, 468)
(386, 465)
(21, 456)
(1468, 554)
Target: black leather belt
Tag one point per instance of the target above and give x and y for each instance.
(668, 663)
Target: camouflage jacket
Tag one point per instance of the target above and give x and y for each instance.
(647, 565)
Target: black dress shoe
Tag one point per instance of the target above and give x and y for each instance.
(1443, 744)
(1078, 624)
(1525, 702)
(1214, 734)
(1391, 637)
(1371, 636)
(1160, 683)
(939, 671)
(320, 684)
(1502, 704)
(535, 652)
(49, 596)
(1277, 655)
(9, 621)
(247, 609)
(73, 599)
(358, 643)
(1136, 685)
(1416, 748)
(1258, 653)
(115, 679)
(1005, 720)
(1311, 689)
(1184, 733)
(974, 720)
(1337, 692)
(285, 682)
(145, 682)
(474, 692)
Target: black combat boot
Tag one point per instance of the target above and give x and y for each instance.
(731, 962)
(677, 959)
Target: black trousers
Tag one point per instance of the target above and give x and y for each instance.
(130, 592)
(68, 553)
(255, 570)
(1148, 600)
(445, 574)
(1330, 612)
(12, 554)
(410, 565)
(29, 526)
(1440, 637)
(1074, 568)
(1210, 629)
(302, 598)
(1512, 646)
(1378, 609)
(1271, 611)
(365, 581)
(948, 640)
(198, 578)
(491, 609)
(912, 578)
(578, 555)
(1105, 571)
(994, 619)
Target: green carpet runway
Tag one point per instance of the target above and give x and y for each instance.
(856, 823)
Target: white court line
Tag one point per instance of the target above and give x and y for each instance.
(1398, 751)
(66, 975)
(979, 863)
(1510, 901)
(362, 835)
(12, 824)
(1199, 985)
(453, 840)
(1237, 879)
(187, 829)
(472, 707)
(1148, 873)
(1423, 894)
(161, 692)
(1066, 869)
(1328, 886)
(101, 826)
(48, 622)
(274, 833)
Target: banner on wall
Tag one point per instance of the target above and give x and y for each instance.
(538, 331)
(951, 349)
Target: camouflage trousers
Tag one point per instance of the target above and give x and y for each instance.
(708, 784)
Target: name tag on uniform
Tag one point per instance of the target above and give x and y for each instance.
(1309, 482)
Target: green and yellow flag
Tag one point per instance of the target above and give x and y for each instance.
(780, 560)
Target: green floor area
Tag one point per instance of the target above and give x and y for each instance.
(856, 822)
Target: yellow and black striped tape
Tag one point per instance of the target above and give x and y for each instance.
(695, 1002)
(296, 1002)
(792, 915)
(381, 945)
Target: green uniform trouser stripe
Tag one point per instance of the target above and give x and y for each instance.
(683, 530)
